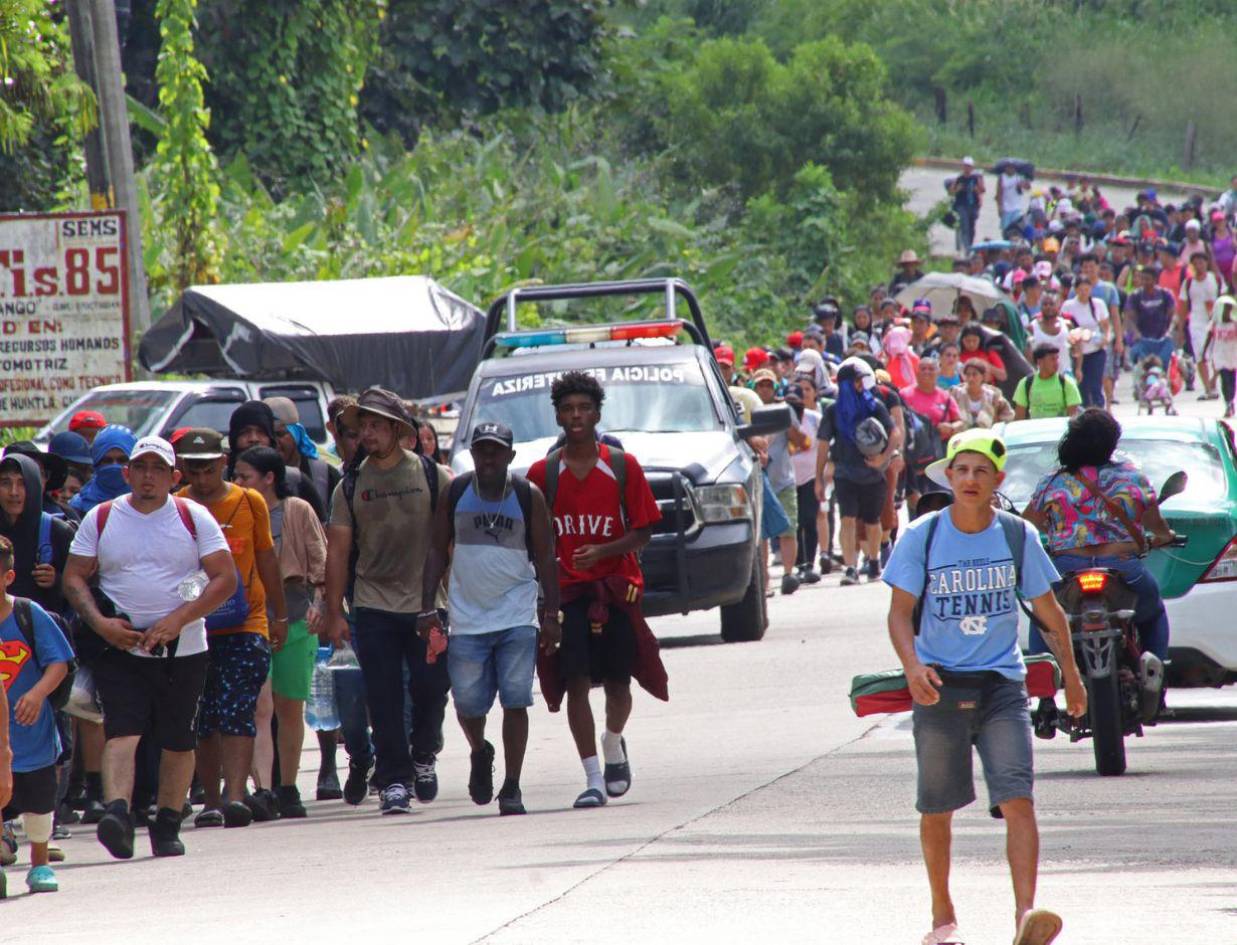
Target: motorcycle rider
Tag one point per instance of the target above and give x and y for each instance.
(1096, 511)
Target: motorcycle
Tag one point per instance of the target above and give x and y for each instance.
(1124, 684)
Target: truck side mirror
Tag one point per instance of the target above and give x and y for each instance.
(768, 420)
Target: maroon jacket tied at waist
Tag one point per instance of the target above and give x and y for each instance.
(613, 591)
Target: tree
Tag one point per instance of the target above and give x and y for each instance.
(442, 60)
(184, 175)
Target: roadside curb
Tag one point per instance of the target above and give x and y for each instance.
(1134, 183)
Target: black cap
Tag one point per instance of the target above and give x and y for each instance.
(492, 432)
(1042, 351)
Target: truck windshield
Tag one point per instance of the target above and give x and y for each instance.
(139, 410)
(651, 398)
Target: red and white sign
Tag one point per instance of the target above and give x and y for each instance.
(64, 311)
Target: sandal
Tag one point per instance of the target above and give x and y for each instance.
(946, 934)
(1038, 927)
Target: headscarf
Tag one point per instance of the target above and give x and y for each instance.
(304, 444)
(897, 345)
(853, 406)
(252, 413)
(108, 482)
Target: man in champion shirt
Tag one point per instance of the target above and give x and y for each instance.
(597, 535)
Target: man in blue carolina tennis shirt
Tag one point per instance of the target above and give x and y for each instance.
(966, 674)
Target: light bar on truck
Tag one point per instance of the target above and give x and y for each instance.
(589, 334)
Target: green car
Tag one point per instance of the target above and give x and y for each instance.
(1195, 580)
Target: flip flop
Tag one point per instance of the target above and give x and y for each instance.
(946, 934)
(1038, 927)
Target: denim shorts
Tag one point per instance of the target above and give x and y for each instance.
(483, 665)
(990, 714)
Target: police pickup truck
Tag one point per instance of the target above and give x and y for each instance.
(668, 406)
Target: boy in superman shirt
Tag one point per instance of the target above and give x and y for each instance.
(598, 529)
(29, 677)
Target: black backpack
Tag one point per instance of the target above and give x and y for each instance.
(25, 623)
(523, 494)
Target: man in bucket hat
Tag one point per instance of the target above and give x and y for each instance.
(382, 514)
(953, 621)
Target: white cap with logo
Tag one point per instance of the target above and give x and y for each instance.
(154, 446)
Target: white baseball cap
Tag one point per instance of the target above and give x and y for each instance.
(154, 446)
(968, 161)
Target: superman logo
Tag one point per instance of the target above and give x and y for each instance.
(14, 654)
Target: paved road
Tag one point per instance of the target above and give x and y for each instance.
(926, 186)
(762, 810)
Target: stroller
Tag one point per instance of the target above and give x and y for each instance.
(1156, 387)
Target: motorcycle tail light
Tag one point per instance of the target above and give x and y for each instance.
(1224, 568)
(1092, 581)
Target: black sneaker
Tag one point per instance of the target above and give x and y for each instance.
(262, 805)
(481, 778)
(850, 577)
(237, 814)
(356, 788)
(874, 569)
(290, 804)
(826, 564)
(425, 783)
(808, 576)
(394, 799)
(328, 787)
(115, 830)
(211, 817)
(165, 834)
(65, 814)
(790, 583)
(510, 800)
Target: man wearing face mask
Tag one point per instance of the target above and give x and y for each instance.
(109, 452)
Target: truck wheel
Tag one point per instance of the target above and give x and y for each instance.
(747, 620)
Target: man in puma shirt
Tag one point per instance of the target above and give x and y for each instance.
(597, 534)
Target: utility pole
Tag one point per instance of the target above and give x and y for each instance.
(82, 34)
(114, 125)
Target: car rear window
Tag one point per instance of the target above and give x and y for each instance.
(1157, 458)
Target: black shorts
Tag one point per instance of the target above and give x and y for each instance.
(161, 695)
(861, 500)
(34, 792)
(608, 656)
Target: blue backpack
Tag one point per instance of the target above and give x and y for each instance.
(46, 552)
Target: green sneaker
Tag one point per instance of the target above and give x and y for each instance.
(42, 879)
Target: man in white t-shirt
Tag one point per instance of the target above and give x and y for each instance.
(1091, 315)
(1011, 197)
(148, 547)
(1051, 329)
(1199, 291)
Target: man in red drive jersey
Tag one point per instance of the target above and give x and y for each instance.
(603, 513)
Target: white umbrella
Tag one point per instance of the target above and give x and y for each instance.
(942, 289)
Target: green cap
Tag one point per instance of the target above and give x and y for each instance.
(976, 440)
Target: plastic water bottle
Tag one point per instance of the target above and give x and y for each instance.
(343, 658)
(320, 712)
(191, 588)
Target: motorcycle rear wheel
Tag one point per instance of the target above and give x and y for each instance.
(1107, 729)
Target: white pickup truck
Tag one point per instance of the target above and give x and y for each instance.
(159, 407)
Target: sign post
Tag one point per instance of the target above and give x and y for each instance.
(64, 310)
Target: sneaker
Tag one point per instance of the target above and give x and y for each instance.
(618, 776)
(8, 846)
(850, 577)
(357, 786)
(93, 811)
(211, 817)
(790, 583)
(61, 832)
(263, 805)
(808, 575)
(481, 777)
(115, 830)
(394, 799)
(290, 804)
(874, 569)
(328, 787)
(886, 551)
(425, 785)
(165, 834)
(237, 814)
(65, 814)
(41, 879)
(826, 564)
(197, 795)
(591, 797)
(510, 800)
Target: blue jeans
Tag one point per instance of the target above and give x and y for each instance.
(387, 643)
(1150, 617)
(485, 665)
(966, 227)
(1091, 384)
(1162, 348)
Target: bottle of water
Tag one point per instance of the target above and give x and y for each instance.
(344, 658)
(320, 712)
(191, 588)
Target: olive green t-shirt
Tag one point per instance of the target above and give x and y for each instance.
(392, 528)
(1048, 398)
